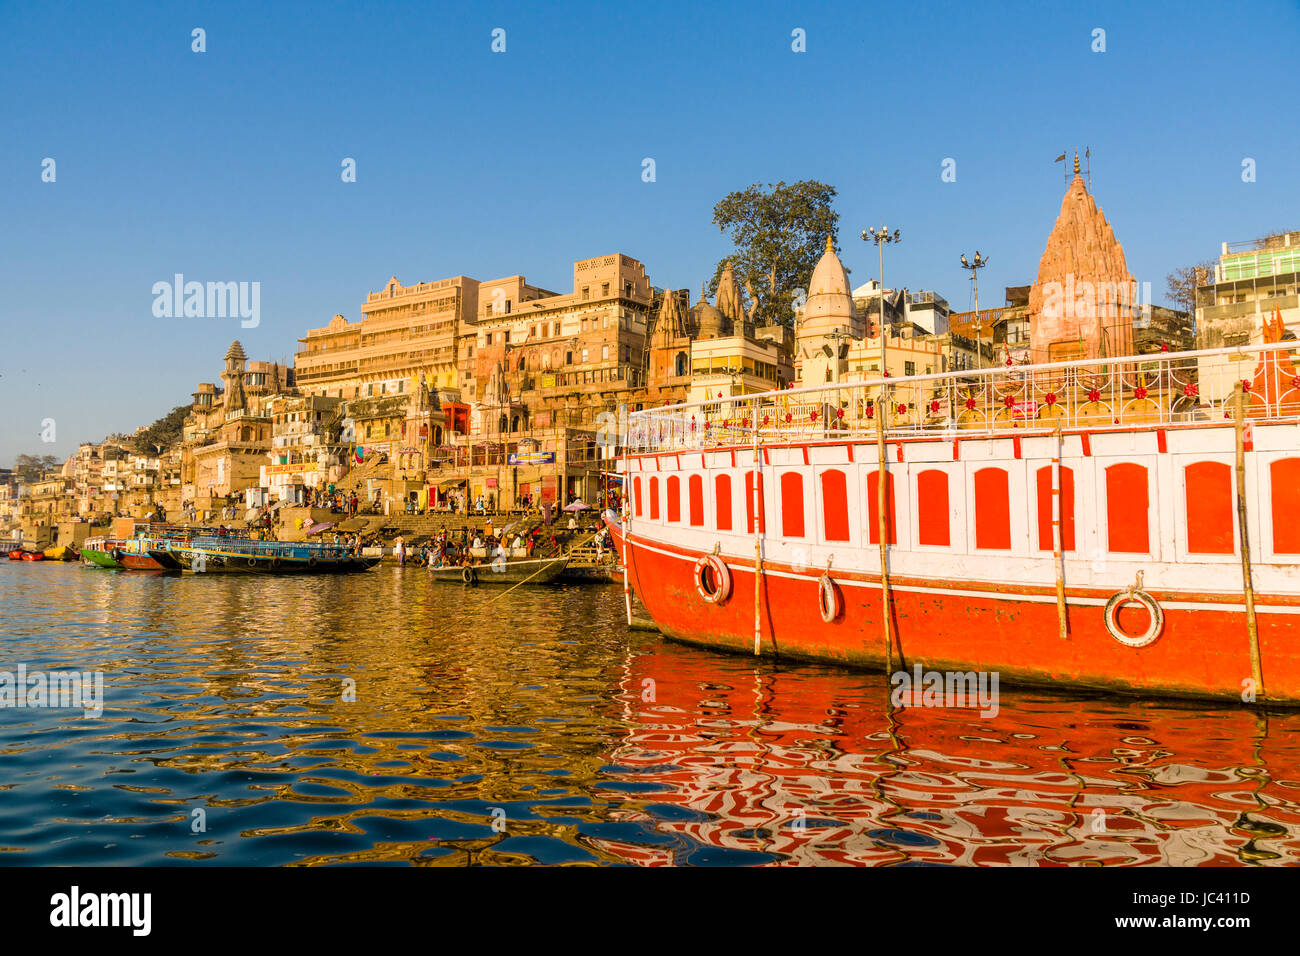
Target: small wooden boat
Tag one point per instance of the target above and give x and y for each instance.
(501, 571)
(100, 553)
(16, 554)
(33, 555)
(138, 554)
(217, 555)
(61, 553)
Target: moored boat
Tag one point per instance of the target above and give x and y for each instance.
(502, 571)
(33, 556)
(60, 553)
(216, 554)
(1066, 524)
(100, 553)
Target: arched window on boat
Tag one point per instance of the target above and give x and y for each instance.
(932, 514)
(1046, 540)
(1284, 490)
(835, 505)
(750, 478)
(654, 499)
(674, 498)
(1207, 487)
(722, 501)
(695, 488)
(873, 509)
(636, 495)
(1127, 507)
(792, 505)
(992, 510)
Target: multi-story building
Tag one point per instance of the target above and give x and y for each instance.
(405, 333)
(308, 450)
(227, 435)
(1255, 286)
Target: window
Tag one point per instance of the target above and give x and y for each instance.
(932, 517)
(604, 289)
(674, 498)
(696, 491)
(1284, 478)
(835, 505)
(992, 510)
(654, 499)
(636, 495)
(792, 505)
(568, 358)
(909, 368)
(604, 352)
(722, 501)
(873, 508)
(1046, 540)
(586, 293)
(584, 356)
(1209, 508)
(1126, 509)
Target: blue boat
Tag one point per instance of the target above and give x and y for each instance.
(213, 554)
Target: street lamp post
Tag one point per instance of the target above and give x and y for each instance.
(880, 237)
(974, 269)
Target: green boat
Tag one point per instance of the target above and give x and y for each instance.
(100, 553)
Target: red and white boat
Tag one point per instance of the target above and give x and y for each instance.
(752, 524)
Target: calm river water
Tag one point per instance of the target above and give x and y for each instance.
(534, 728)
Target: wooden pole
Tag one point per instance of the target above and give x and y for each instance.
(758, 539)
(882, 527)
(626, 519)
(1252, 628)
(1058, 547)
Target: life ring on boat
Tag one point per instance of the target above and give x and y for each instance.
(311, 562)
(1134, 595)
(274, 563)
(467, 575)
(719, 575)
(828, 598)
(251, 562)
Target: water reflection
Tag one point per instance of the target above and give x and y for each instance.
(531, 727)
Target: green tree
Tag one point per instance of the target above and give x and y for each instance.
(162, 434)
(779, 232)
(34, 467)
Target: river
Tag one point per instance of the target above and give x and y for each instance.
(381, 717)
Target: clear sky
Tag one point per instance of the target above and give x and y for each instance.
(225, 165)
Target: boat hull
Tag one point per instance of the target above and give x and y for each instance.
(141, 562)
(208, 561)
(1203, 650)
(100, 559)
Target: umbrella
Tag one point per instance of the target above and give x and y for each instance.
(578, 505)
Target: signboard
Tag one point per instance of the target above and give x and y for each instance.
(301, 468)
(548, 381)
(1024, 410)
(533, 458)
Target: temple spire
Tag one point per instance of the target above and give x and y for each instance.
(1076, 162)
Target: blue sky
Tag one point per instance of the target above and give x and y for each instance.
(225, 165)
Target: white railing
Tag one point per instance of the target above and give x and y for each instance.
(1162, 389)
